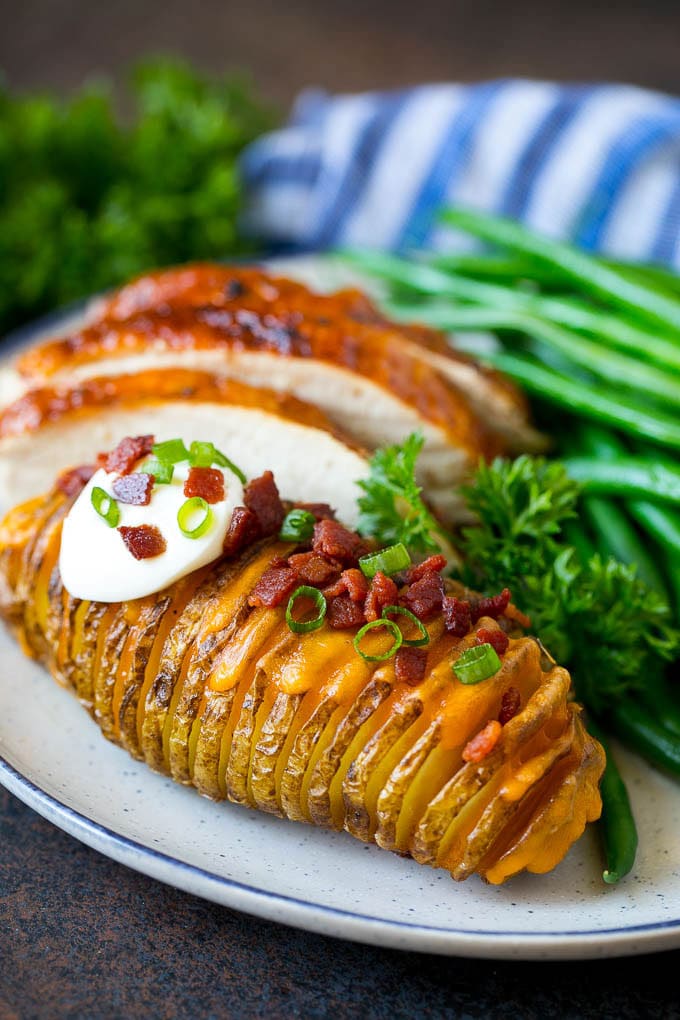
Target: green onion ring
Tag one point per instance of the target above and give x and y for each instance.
(389, 560)
(476, 664)
(106, 506)
(187, 509)
(204, 454)
(201, 454)
(305, 626)
(298, 526)
(389, 625)
(424, 639)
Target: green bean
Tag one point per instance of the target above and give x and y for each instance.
(610, 365)
(610, 329)
(663, 525)
(617, 537)
(637, 728)
(660, 702)
(428, 280)
(510, 268)
(627, 476)
(501, 268)
(658, 277)
(576, 536)
(660, 522)
(616, 825)
(577, 266)
(592, 401)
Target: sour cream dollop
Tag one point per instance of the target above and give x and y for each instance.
(95, 563)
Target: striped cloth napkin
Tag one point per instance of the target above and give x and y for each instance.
(596, 164)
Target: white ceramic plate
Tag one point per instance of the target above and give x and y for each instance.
(53, 757)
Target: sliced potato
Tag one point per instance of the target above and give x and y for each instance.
(224, 697)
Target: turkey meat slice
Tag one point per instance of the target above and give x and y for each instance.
(369, 380)
(56, 428)
(496, 399)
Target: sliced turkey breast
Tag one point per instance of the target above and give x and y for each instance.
(499, 403)
(368, 379)
(55, 428)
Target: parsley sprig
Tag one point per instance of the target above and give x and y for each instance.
(594, 614)
(88, 200)
(392, 508)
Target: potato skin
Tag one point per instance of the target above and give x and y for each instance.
(223, 697)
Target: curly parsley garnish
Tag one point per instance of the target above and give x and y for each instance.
(392, 508)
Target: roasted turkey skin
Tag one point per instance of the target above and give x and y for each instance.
(222, 696)
(376, 381)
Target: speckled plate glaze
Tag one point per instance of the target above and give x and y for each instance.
(53, 757)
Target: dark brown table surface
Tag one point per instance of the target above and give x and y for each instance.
(83, 937)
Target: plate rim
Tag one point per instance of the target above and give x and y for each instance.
(304, 914)
(334, 921)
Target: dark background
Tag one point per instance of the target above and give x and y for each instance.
(347, 44)
(81, 936)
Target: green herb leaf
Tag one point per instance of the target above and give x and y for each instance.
(87, 200)
(391, 508)
(593, 614)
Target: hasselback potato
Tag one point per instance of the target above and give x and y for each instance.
(218, 693)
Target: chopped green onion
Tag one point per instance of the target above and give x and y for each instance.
(172, 451)
(106, 506)
(187, 512)
(402, 611)
(298, 525)
(223, 461)
(201, 454)
(206, 454)
(390, 560)
(476, 664)
(390, 626)
(304, 626)
(161, 470)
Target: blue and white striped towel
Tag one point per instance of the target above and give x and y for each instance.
(598, 164)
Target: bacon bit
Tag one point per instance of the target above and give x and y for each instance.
(433, 564)
(126, 454)
(320, 511)
(243, 530)
(513, 613)
(274, 587)
(510, 703)
(483, 744)
(206, 482)
(498, 639)
(144, 542)
(352, 582)
(343, 613)
(493, 607)
(457, 617)
(314, 569)
(261, 496)
(410, 665)
(384, 592)
(335, 541)
(425, 597)
(74, 481)
(134, 489)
